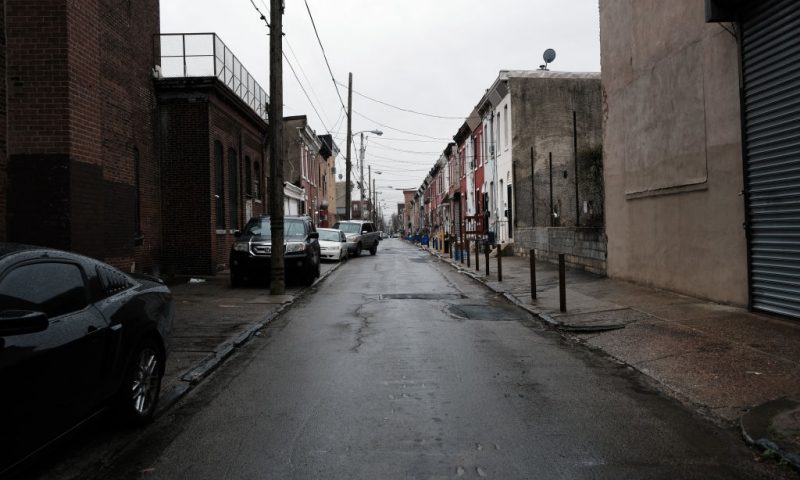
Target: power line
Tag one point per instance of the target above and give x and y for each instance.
(310, 85)
(397, 129)
(304, 91)
(407, 110)
(324, 55)
(259, 12)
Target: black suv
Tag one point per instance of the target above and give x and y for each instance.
(251, 254)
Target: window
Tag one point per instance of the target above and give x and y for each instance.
(112, 281)
(505, 125)
(219, 187)
(499, 127)
(233, 186)
(248, 177)
(59, 289)
(256, 180)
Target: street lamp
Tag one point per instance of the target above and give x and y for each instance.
(347, 182)
(361, 157)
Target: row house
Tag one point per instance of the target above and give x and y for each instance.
(525, 168)
(309, 163)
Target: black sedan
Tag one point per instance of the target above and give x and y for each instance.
(76, 336)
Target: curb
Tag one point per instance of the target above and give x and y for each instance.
(756, 426)
(192, 377)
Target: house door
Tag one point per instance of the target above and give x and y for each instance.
(771, 106)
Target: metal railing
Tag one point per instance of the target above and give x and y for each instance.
(205, 55)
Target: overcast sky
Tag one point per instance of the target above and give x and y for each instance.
(432, 56)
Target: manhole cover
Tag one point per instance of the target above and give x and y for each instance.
(485, 312)
(421, 296)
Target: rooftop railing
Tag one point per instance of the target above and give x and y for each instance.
(205, 55)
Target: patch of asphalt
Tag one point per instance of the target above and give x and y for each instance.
(194, 375)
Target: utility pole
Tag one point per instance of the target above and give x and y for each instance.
(349, 165)
(369, 185)
(277, 273)
(375, 204)
(361, 157)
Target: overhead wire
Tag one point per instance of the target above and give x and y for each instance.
(407, 110)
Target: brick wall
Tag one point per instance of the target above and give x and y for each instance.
(3, 125)
(80, 102)
(186, 171)
(194, 114)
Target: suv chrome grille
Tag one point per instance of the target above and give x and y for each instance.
(260, 249)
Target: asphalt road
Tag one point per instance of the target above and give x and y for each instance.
(399, 367)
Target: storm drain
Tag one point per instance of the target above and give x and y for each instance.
(485, 312)
(421, 296)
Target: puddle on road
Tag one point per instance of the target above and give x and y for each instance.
(421, 296)
(486, 313)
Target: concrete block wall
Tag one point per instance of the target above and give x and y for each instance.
(584, 248)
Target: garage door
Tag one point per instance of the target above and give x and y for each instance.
(771, 72)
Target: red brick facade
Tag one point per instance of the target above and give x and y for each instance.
(197, 119)
(78, 164)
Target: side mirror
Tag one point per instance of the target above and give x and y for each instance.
(20, 322)
(364, 232)
(237, 233)
(313, 235)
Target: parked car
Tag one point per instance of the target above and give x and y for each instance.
(332, 244)
(361, 235)
(76, 336)
(251, 253)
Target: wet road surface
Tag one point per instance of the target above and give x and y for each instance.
(399, 367)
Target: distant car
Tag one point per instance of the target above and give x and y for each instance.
(76, 335)
(332, 244)
(251, 253)
(361, 235)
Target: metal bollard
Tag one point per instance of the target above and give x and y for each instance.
(533, 274)
(486, 252)
(477, 256)
(562, 284)
(461, 249)
(499, 265)
(467, 248)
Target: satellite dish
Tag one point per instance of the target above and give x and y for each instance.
(549, 56)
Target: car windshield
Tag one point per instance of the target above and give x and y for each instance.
(330, 235)
(292, 228)
(349, 227)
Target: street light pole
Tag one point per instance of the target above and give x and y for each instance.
(361, 157)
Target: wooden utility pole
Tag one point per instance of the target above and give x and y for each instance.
(369, 186)
(349, 165)
(361, 161)
(277, 273)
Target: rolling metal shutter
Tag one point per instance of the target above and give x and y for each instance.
(771, 73)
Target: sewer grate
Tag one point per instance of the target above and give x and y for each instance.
(485, 312)
(421, 296)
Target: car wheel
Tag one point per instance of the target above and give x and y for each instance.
(139, 395)
(373, 250)
(236, 279)
(358, 250)
(319, 269)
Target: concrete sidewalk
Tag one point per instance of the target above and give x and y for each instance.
(212, 320)
(732, 365)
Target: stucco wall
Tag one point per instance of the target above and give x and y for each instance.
(672, 149)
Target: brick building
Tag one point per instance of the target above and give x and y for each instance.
(78, 167)
(212, 131)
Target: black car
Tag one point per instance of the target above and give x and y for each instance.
(251, 254)
(76, 335)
